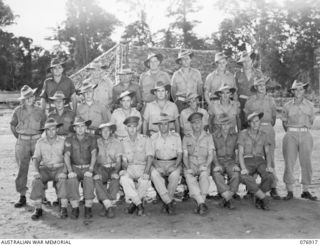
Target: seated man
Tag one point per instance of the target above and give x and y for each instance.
(80, 153)
(137, 160)
(253, 146)
(108, 167)
(198, 151)
(225, 141)
(166, 163)
(49, 166)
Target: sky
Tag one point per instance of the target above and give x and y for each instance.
(37, 17)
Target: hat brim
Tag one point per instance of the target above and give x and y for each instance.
(50, 67)
(232, 90)
(159, 57)
(163, 122)
(56, 125)
(33, 92)
(178, 60)
(87, 123)
(166, 87)
(305, 86)
(85, 90)
(190, 99)
(57, 98)
(260, 115)
(131, 94)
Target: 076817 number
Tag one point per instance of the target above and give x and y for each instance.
(308, 242)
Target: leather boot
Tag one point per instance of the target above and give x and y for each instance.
(132, 207)
(37, 214)
(21, 203)
(203, 209)
(289, 196)
(307, 195)
(274, 194)
(265, 203)
(140, 210)
(63, 213)
(75, 213)
(170, 208)
(88, 213)
(110, 212)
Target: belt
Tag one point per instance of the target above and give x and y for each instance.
(82, 166)
(298, 129)
(173, 159)
(181, 99)
(108, 165)
(57, 165)
(253, 156)
(225, 158)
(265, 124)
(243, 97)
(29, 137)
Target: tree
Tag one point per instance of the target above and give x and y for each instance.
(86, 31)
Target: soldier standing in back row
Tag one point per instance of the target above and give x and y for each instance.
(26, 122)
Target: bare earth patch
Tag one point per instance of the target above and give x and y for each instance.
(297, 218)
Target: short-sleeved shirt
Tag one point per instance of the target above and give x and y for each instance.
(186, 83)
(215, 80)
(198, 149)
(28, 123)
(265, 105)
(153, 112)
(253, 145)
(298, 115)
(119, 88)
(185, 124)
(231, 110)
(95, 112)
(243, 83)
(137, 151)
(225, 147)
(67, 118)
(47, 153)
(80, 150)
(148, 81)
(119, 115)
(166, 148)
(108, 151)
(50, 87)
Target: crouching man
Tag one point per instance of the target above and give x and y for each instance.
(253, 148)
(49, 166)
(166, 163)
(198, 151)
(108, 167)
(80, 153)
(137, 160)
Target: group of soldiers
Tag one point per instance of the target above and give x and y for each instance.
(157, 132)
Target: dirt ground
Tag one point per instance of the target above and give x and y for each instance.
(297, 218)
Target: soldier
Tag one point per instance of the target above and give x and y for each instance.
(148, 79)
(297, 119)
(244, 79)
(225, 141)
(61, 114)
(186, 80)
(58, 82)
(253, 147)
(108, 167)
(198, 152)
(26, 122)
(167, 163)
(193, 101)
(225, 107)
(80, 154)
(137, 160)
(126, 84)
(261, 102)
(219, 77)
(91, 110)
(49, 165)
(120, 114)
(158, 107)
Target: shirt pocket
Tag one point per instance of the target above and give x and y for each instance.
(190, 148)
(203, 149)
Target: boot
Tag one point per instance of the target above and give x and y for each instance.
(21, 203)
(56, 203)
(274, 194)
(110, 213)
(307, 195)
(170, 208)
(265, 203)
(289, 196)
(132, 207)
(230, 204)
(63, 213)
(75, 213)
(222, 203)
(88, 213)
(37, 214)
(203, 208)
(46, 202)
(140, 209)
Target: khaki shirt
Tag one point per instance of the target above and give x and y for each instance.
(66, 118)
(225, 147)
(186, 83)
(148, 81)
(28, 123)
(166, 148)
(198, 149)
(185, 124)
(108, 151)
(243, 83)
(136, 152)
(266, 105)
(253, 145)
(80, 150)
(153, 112)
(49, 154)
(95, 112)
(232, 110)
(215, 80)
(119, 115)
(298, 115)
